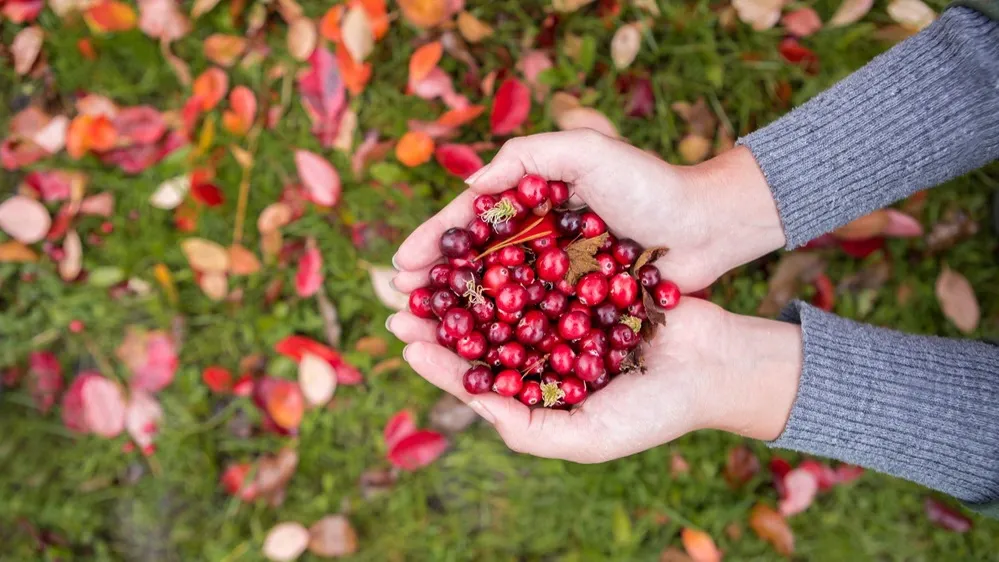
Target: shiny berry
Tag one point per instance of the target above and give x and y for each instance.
(505, 229)
(455, 242)
(445, 338)
(484, 312)
(539, 245)
(483, 203)
(574, 389)
(512, 355)
(554, 304)
(602, 381)
(495, 277)
(477, 380)
(607, 264)
(608, 244)
(499, 332)
(508, 383)
(566, 287)
(419, 302)
(623, 290)
(594, 342)
(534, 364)
(569, 223)
(666, 294)
(550, 378)
(623, 337)
(442, 301)
(592, 288)
(472, 346)
(440, 275)
(461, 279)
(467, 262)
(558, 192)
(492, 357)
(606, 314)
(562, 359)
(615, 360)
(510, 318)
(592, 225)
(480, 231)
(535, 293)
(648, 276)
(511, 256)
(511, 196)
(637, 309)
(552, 265)
(458, 322)
(578, 306)
(589, 367)
(523, 274)
(532, 190)
(549, 342)
(511, 298)
(573, 325)
(491, 260)
(626, 251)
(531, 393)
(532, 328)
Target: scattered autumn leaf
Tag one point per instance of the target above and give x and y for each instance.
(451, 416)
(273, 217)
(800, 488)
(741, 466)
(567, 6)
(162, 19)
(793, 269)
(44, 379)
(143, 415)
(417, 449)
(802, 22)
(285, 404)
(850, 11)
(89, 132)
(171, 193)
(205, 255)
(414, 148)
(913, 15)
(222, 49)
(103, 406)
(218, 379)
(302, 38)
(356, 34)
(625, 44)
(698, 116)
(772, 527)
(399, 426)
(286, 542)
(694, 148)
(321, 181)
(151, 356)
(946, 517)
(458, 159)
(472, 28)
(309, 276)
(210, 87)
(511, 107)
(25, 47)
(72, 261)
(760, 14)
(317, 379)
(24, 219)
(424, 59)
(700, 546)
(202, 7)
(673, 554)
(242, 261)
(332, 537)
(13, 251)
(424, 13)
(957, 300)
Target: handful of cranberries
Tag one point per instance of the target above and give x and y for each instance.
(546, 304)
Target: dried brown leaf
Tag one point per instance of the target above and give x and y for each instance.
(581, 257)
(472, 28)
(450, 415)
(205, 255)
(376, 482)
(286, 542)
(242, 261)
(771, 526)
(792, 270)
(957, 300)
(274, 472)
(956, 225)
(332, 536)
(649, 255)
(673, 554)
(694, 148)
(331, 319)
(698, 117)
(26, 47)
(656, 317)
(72, 261)
(302, 38)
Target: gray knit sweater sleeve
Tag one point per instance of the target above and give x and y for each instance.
(924, 112)
(921, 408)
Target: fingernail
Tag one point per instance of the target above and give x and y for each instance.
(484, 413)
(472, 178)
(388, 322)
(392, 284)
(395, 262)
(406, 352)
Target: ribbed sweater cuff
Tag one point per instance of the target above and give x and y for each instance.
(917, 407)
(923, 112)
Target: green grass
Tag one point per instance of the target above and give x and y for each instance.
(480, 501)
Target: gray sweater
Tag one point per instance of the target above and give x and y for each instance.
(921, 408)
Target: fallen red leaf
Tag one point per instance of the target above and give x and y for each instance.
(779, 468)
(848, 473)
(460, 116)
(423, 60)
(458, 159)
(801, 485)
(946, 517)
(772, 527)
(285, 404)
(824, 474)
(210, 87)
(243, 110)
(103, 406)
(51, 185)
(151, 356)
(21, 11)
(110, 16)
(234, 481)
(309, 277)
(418, 449)
(400, 426)
(795, 53)
(641, 98)
(510, 108)
(825, 293)
(860, 249)
(323, 95)
(207, 194)
(72, 402)
(321, 181)
(243, 386)
(44, 379)
(741, 466)
(295, 347)
(218, 379)
(140, 124)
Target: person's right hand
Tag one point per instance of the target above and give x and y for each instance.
(712, 217)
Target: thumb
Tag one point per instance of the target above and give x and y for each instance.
(564, 156)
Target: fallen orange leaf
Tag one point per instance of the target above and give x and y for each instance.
(86, 49)
(13, 251)
(210, 87)
(377, 16)
(424, 13)
(110, 16)
(700, 546)
(239, 118)
(424, 60)
(355, 76)
(329, 25)
(458, 117)
(89, 132)
(414, 148)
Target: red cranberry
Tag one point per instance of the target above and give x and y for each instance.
(511, 196)
(461, 279)
(511, 298)
(499, 332)
(573, 325)
(480, 231)
(472, 346)
(592, 225)
(445, 338)
(440, 275)
(589, 367)
(491, 260)
(648, 276)
(523, 274)
(495, 277)
(623, 290)
(483, 203)
(484, 312)
(534, 364)
(535, 293)
(419, 302)
(458, 322)
(615, 360)
(606, 264)
(509, 317)
(569, 223)
(607, 314)
(455, 242)
(530, 394)
(553, 265)
(608, 244)
(543, 209)
(602, 381)
(442, 301)
(580, 307)
(637, 309)
(594, 342)
(532, 190)
(574, 389)
(512, 355)
(508, 383)
(623, 337)
(626, 251)
(532, 328)
(592, 288)
(506, 229)
(549, 342)
(511, 256)
(550, 378)
(666, 294)
(468, 262)
(477, 380)
(539, 245)
(492, 357)
(554, 304)
(558, 192)
(562, 359)
(566, 287)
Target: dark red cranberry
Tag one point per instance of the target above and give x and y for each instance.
(520, 209)
(532, 190)
(491, 260)
(477, 380)
(483, 203)
(458, 322)
(566, 287)
(492, 357)
(511, 298)
(512, 355)
(558, 192)
(480, 231)
(626, 251)
(472, 346)
(637, 309)
(562, 359)
(648, 276)
(442, 301)
(549, 342)
(552, 265)
(510, 318)
(532, 328)
(578, 306)
(461, 280)
(615, 360)
(419, 302)
(623, 337)
(511, 256)
(554, 304)
(589, 367)
(468, 262)
(483, 311)
(592, 225)
(569, 223)
(508, 383)
(534, 364)
(592, 288)
(440, 275)
(573, 325)
(495, 277)
(608, 244)
(543, 209)
(539, 245)
(506, 229)
(530, 394)
(523, 274)
(444, 338)
(499, 332)
(550, 378)
(594, 342)
(574, 389)
(623, 290)
(455, 242)
(666, 294)
(606, 264)
(606, 314)
(602, 381)
(535, 293)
